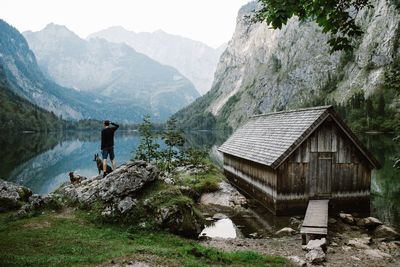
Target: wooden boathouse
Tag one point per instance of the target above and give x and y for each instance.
(284, 159)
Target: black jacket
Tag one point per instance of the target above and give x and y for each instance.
(107, 136)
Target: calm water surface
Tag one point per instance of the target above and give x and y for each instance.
(42, 163)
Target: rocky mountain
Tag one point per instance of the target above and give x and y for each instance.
(114, 72)
(265, 70)
(193, 59)
(24, 78)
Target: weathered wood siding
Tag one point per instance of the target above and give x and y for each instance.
(254, 179)
(326, 165)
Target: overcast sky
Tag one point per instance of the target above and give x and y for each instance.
(209, 21)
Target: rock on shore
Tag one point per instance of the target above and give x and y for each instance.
(130, 195)
(119, 197)
(12, 196)
(227, 196)
(123, 182)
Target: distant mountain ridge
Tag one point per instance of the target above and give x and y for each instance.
(195, 60)
(115, 73)
(25, 79)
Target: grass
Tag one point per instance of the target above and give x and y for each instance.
(204, 182)
(56, 240)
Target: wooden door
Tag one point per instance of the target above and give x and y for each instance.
(324, 177)
(320, 174)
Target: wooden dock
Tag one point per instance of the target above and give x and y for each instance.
(316, 219)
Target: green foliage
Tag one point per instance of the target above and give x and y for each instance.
(395, 3)
(377, 112)
(392, 77)
(371, 114)
(392, 81)
(228, 108)
(173, 138)
(397, 158)
(17, 114)
(193, 156)
(148, 148)
(276, 63)
(336, 17)
(200, 121)
(197, 117)
(203, 182)
(174, 153)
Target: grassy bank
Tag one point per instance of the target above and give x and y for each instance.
(203, 181)
(68, 238)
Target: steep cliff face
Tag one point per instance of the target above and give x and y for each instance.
(195, 60)
(265, 70)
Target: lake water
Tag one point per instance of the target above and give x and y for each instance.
(42, 162)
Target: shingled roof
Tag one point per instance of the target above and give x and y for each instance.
(269, 138)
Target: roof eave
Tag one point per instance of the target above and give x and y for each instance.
(329, 112)
(301, 139)
(372, 160)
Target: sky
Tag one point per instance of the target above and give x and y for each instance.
(209, 21)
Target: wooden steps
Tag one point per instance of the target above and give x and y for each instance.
(316, 219)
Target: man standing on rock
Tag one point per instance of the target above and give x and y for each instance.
(107, 144)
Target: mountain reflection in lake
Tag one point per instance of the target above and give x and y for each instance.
(42, 161)
(46, 165)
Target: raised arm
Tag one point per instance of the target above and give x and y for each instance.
(116, 126)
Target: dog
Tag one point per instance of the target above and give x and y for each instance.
(99, 164)
(75, 178)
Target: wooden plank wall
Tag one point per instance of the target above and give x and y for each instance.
(259, 172)
(326, 165)
(349, 170)
(254, 179)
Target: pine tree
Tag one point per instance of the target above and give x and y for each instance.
(369, 110)
(381, 105)
(148, 148)
(173, 138)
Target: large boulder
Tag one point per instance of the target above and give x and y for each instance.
(120, 197)
(361, 242)
(12, 196)
(180, 219)
(125, 181)
(37, 204)
(383, 231)
(227, 196)
(316, 243)
(126, 205)
(369, 222)
(376, 253)
(347, 218)
(316, 255)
